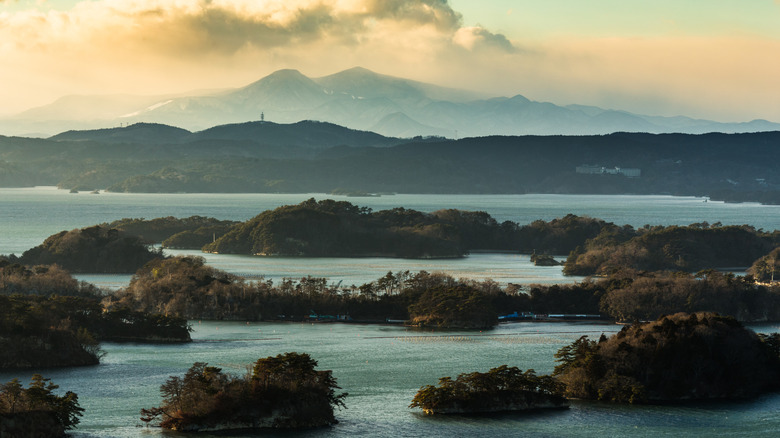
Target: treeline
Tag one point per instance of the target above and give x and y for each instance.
(186, 286)
(641, 296)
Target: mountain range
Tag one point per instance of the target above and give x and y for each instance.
(358, 99)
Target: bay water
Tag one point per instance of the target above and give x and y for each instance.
(381, 367)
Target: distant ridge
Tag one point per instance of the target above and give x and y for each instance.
(304, 134)
(318, 157)
(136, 133)
(360, 99)
(307, 133)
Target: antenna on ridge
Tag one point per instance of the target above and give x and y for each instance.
(262, 117)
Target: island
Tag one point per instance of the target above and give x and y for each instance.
(49, 319)
(675, 248)
(499, 390)
(36, 411)
(182, 233)
(282, 392)
(95, 249)
(331, 228)
(697, 356)
(544, 260)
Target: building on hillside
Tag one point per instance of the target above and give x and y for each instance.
(630, 172)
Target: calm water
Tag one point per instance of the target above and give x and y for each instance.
(28, 216)
(380, 366)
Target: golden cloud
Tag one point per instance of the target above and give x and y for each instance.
(160, 46)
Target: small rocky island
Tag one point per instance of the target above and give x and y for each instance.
(282, 392)
(501, 389)
(544, 260)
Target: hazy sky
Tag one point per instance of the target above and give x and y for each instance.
(717, 59)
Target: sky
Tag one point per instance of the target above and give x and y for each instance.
(715, 59)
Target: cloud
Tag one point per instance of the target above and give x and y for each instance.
(473, 38)
(227, 26)
(153, 45)
(164, 46)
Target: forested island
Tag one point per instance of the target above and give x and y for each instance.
(329, 228)
(672, 248)
(37, 411)
(644, 272)
(679, 357)
(94, 249)
(500, 389)
(186, 286)
(282, 392)
(697, 356)
(48, 319)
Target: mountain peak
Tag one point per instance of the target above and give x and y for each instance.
(286, 73)
(360, 70)
(283, 90)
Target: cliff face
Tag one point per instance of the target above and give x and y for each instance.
(50, 350)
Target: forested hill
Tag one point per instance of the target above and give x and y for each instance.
(305, 134)
(318, 157)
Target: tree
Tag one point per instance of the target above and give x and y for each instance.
(63, 411)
